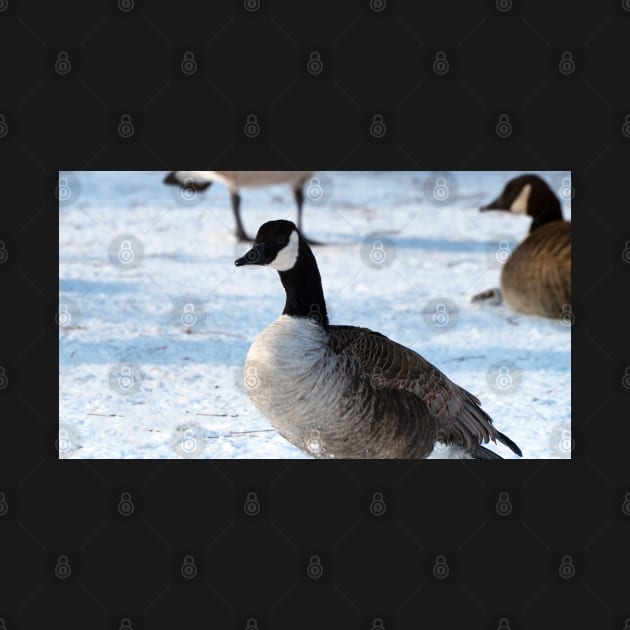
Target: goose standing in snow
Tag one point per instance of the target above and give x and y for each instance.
(235, 180)
(345, 391)
(536, 279)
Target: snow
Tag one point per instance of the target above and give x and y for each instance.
(156, 321)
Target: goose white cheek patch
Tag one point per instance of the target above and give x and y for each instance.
(286, 258)
(519, 205)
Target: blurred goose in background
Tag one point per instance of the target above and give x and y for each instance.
(346, 391)
(235, 180)
(536, 278)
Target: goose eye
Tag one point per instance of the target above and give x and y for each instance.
(282, 240)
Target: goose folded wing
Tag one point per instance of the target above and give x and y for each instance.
(550, 243)
(389, 365)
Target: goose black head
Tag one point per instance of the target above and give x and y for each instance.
(530, 195)
(277, 244)
(184, 180)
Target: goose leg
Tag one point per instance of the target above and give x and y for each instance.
(299, 199)
(236, 206)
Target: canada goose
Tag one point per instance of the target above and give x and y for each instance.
(345, 391)
(536, 278)
(235, 180)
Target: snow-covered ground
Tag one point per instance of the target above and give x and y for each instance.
(156, 321)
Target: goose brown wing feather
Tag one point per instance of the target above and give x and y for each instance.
(551, 243)
(537, 278)
(389, 365)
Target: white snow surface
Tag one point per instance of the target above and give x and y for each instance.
(137, 380)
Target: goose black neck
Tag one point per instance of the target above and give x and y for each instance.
(303, 287)
(547, 208)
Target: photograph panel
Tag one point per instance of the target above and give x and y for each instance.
(315, 314)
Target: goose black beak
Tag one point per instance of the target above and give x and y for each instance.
(253, 257)
(493, 205)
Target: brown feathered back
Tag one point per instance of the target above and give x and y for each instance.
(536, 280)
(446, 412)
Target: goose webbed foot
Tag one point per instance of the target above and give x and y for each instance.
(491, 296)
